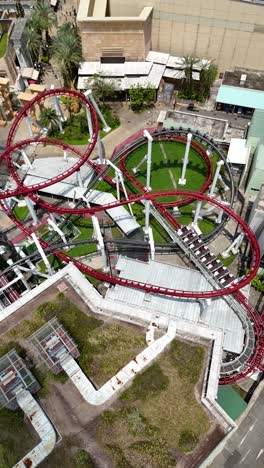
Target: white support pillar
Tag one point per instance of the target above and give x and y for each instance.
(58, 106)
(57, 229)
(225, 187)
(117, 186)
(42, 254)
(234, 247)
(149, 155)
(219, 164)
(182, 180)
(151, 243)
(31, 209)
(31, 266)
(65, 155)
(196, 217)
(19, 274)
(88, 94)
(135, 169)
(89, 122)
(26, 160)
(147, 209)
(101, 151)
(125, 191)
(98, 235)
(28, 123)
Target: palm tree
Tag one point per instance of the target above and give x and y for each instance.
(189, 63)
(49, 119)
(42, 20)
(34, 42)
(67, 53)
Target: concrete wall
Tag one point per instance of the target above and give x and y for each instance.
(228, 31)
(129, 36)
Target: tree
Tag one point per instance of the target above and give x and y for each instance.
(34, 42)
(104, 88)
(67, 53)
(208, 75)
(49, 119)
(189, 63)
(41, 22)
(141, 97)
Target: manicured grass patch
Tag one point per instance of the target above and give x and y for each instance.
(3, 44)
(158, 415)
(85, 226)
(104, 348)
(20, 212)
(160, 178)
(55, 263)
(227, 261)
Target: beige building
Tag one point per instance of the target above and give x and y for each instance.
(118, 37)
(231, 32)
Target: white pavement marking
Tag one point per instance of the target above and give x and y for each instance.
(260, 453)
(245, 455)
(245, 436)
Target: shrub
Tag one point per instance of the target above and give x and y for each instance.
(84, 460)
(147, 385)
(187, 441)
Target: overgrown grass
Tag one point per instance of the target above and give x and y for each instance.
(104, 348)
(16, 440)
(158, 415)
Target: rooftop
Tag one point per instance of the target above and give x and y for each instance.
(217, 314)
(239, 96)
(244, 79)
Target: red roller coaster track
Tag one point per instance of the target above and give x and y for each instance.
(32, 192)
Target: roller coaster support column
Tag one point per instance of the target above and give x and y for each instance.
(225, 187)
(182, 180)
(149, 155)
(151, 243)
(101, 150)
(220, 214)
(28, 123)
(118, 174)
(216, 176)
(19, 275)
(42, 254)
(58, 109)
(26, 160)
(99, 237)
(89, 122)
(88, 94)
(31, 210)
(65, 155)
(234, 247)
(196, 218)
(57, 229)
(32, 268)
(135, 169)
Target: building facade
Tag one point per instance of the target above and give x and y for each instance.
(230, 32)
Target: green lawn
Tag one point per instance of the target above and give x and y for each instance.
(3, 44)
(20, 212)
(85, 226)
(160, 178)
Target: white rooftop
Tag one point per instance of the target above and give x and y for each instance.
(157, 57)
(45, 169)
(238, 152)
(217, 315)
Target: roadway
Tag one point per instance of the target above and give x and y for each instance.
(245, 448)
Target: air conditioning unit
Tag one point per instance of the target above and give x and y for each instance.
(243, 79)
